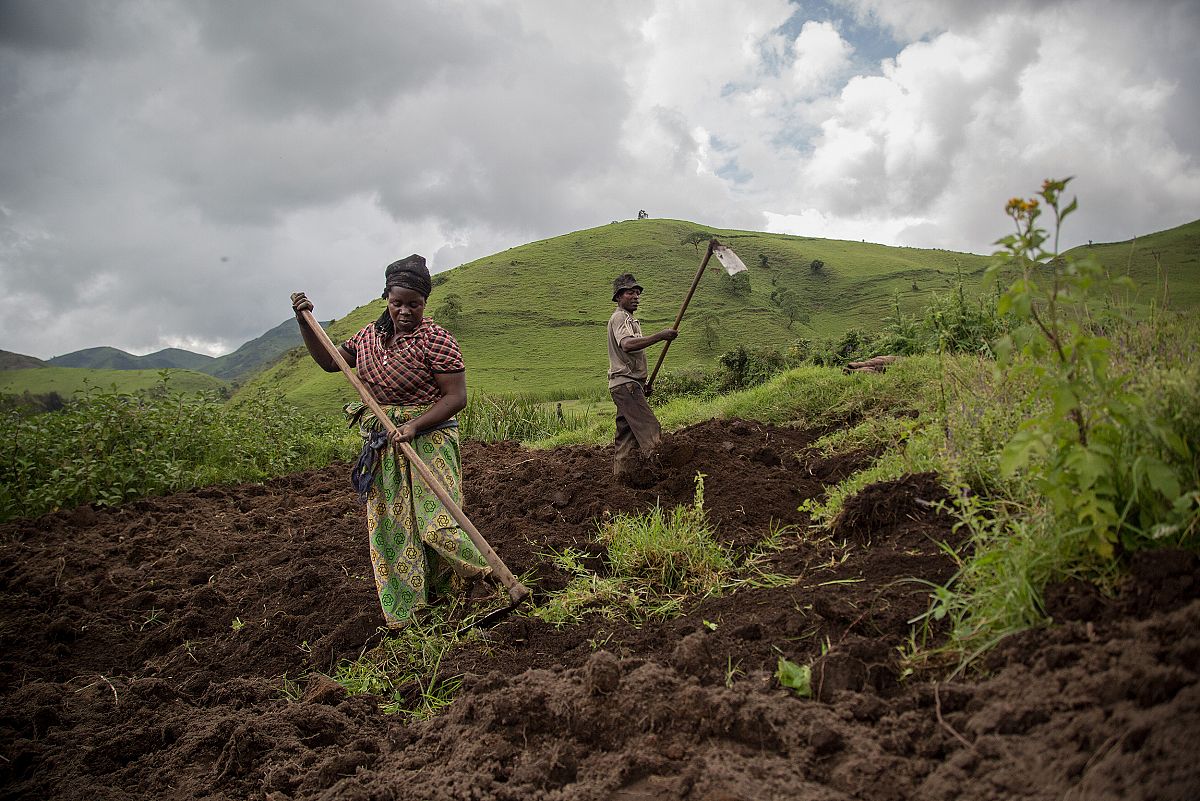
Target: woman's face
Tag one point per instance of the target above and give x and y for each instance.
(406, 307)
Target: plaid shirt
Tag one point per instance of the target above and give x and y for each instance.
(404, 374)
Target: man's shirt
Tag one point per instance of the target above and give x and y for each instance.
(624, 367)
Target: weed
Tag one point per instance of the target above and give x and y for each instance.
(732, 671)
(598, 642)
(673, 552)
(154, 618)
(408, 658)
(290, 689)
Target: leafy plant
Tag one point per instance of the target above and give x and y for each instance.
(108, 447)
(797, 678)
(1075, 447)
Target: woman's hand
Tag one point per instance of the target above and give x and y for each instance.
(405, 433)
(300, 303)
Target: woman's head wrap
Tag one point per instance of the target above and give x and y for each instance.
(410, 273)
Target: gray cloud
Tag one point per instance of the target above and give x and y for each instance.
(169, 171)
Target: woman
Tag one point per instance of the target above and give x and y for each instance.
(415, 370)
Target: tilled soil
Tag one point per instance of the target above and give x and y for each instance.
(144, 652)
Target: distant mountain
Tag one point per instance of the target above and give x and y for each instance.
(103, 358)
(18, 361)
(175, 358)
(115, 359)
(249, 358)
(258, 353)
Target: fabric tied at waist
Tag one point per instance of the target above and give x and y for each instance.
(375, 439)
(362, 475)
(359, 414)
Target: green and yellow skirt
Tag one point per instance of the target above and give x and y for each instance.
(419, 553)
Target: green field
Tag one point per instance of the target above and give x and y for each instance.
(534, 316)
(66, 381)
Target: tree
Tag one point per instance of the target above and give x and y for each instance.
(789, 304)
(695, 238)
(709, 334)
(817, 266)
(737, 285)
(763, 261)
(450, 312)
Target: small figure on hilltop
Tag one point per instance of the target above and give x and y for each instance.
(637, 427)
(414, 369)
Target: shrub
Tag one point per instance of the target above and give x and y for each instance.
(106, 447)
(742, 367)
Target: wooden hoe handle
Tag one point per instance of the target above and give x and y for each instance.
(516, 590)
(679, 317)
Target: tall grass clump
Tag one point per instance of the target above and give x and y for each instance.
(492, 418)
(107, 447)
(656, 560)
(674, 551)
(405, 669)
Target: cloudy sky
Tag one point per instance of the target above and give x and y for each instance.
(171, 171)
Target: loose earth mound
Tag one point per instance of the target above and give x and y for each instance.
(145, 651)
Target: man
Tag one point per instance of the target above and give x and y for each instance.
(637, 427)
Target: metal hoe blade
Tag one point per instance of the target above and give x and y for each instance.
(491, 618)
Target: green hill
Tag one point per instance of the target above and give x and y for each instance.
(251, 357)
(1164, 265)
(105, 358)
(18, 361)
(175, 358)
(533, 316)
(101, 358)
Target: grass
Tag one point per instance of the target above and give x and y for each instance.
(67, 381)
(406, 664)
(659, 560)
(809, 396)
(673, 552)
(520, 417)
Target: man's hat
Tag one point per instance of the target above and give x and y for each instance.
(623, 282)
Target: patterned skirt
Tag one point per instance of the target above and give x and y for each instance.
(419, 553)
